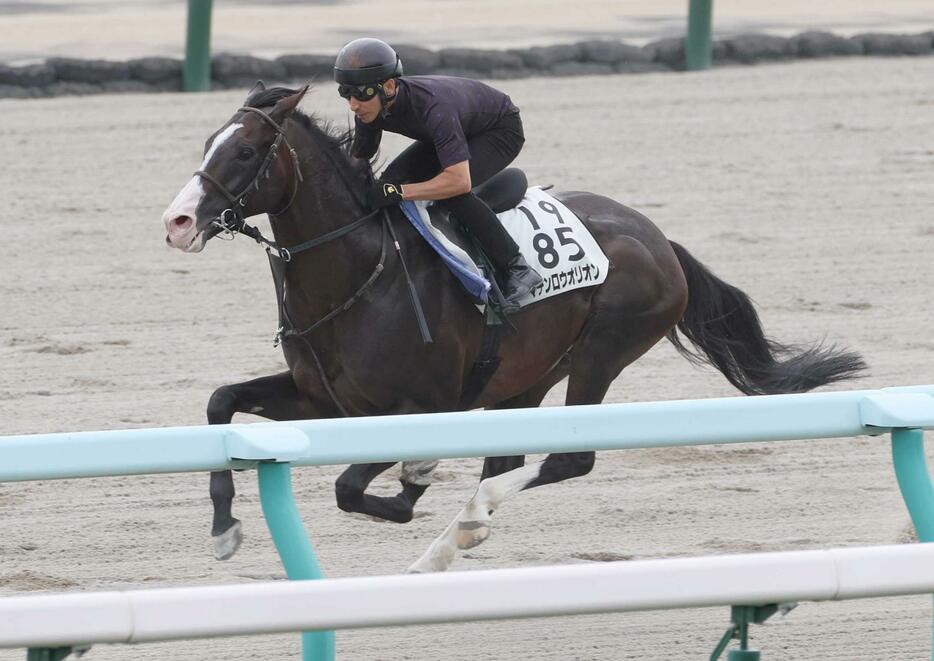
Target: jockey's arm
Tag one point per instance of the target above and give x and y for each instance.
(452, 181)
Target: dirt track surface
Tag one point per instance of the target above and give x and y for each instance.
(809, 186)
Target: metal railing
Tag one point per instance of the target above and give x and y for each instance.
(273, 447)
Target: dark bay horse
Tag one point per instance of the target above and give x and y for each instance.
(352, 343)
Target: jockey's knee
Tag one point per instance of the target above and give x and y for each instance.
(458, 204)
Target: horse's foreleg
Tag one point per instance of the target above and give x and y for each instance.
(274, 397)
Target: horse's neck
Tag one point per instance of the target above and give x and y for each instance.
(326, 275)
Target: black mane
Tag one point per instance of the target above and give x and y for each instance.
(324, 132)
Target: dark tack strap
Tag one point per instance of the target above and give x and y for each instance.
(330, 236)
(413, 293)
(226, 193)
(485, 366)
(289, 331)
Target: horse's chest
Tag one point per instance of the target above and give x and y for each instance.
(379, 377)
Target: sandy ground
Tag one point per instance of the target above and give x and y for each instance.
(808, 185)
(117, 29)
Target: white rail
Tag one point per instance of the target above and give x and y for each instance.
(202, 612)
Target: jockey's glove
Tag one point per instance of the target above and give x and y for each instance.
(383, 194)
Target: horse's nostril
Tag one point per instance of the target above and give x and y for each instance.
(182, 222)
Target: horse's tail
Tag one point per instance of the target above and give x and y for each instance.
(721, 322)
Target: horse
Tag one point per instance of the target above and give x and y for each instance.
(352, 345)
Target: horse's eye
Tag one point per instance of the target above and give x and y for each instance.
(246, 154)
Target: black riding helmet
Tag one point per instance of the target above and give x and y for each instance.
(366, 61)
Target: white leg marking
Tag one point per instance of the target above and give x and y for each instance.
(472, 526)
(227, 543)
(419, 472)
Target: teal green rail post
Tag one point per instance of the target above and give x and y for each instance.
(697, 44)
(48, 653)
(197, 73)
(914, 480)
(291, 540)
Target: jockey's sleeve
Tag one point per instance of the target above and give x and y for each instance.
(366, 140)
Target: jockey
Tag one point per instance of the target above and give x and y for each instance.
(464, 132)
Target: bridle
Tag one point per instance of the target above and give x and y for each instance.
(231, 220)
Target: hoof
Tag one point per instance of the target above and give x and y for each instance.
(227, 543)
(472, 533)
(429, 565)
(436, 558)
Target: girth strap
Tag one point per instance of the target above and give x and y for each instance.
(485, 366)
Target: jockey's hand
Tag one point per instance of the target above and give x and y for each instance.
(383, 194)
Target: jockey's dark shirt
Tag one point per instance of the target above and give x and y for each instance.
(442, 110)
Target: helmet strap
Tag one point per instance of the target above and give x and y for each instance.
(384, 100)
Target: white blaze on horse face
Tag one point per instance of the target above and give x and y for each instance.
(180, 218)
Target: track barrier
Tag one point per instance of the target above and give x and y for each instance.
(273, 447)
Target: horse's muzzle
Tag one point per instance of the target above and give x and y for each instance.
(182, 233)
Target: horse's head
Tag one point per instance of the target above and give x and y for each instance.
(248, 168)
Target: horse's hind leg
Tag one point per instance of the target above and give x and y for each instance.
(274, 397)
(352, 484)
(596, 363)
(502, 476)
(597, 359)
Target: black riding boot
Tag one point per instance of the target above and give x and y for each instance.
(517, 276)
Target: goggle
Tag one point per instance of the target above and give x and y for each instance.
(359, 92)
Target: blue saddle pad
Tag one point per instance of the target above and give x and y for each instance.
(476, 285)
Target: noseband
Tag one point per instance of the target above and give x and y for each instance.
(231, 220)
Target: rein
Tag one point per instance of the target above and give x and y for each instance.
(231, 221)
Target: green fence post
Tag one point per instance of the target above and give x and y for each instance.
(914, 480)
(197, 73)
(697, 44)
(48, 653)
(291, 540)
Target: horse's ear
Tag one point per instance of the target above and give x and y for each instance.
(257, 88)
(285, 106)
